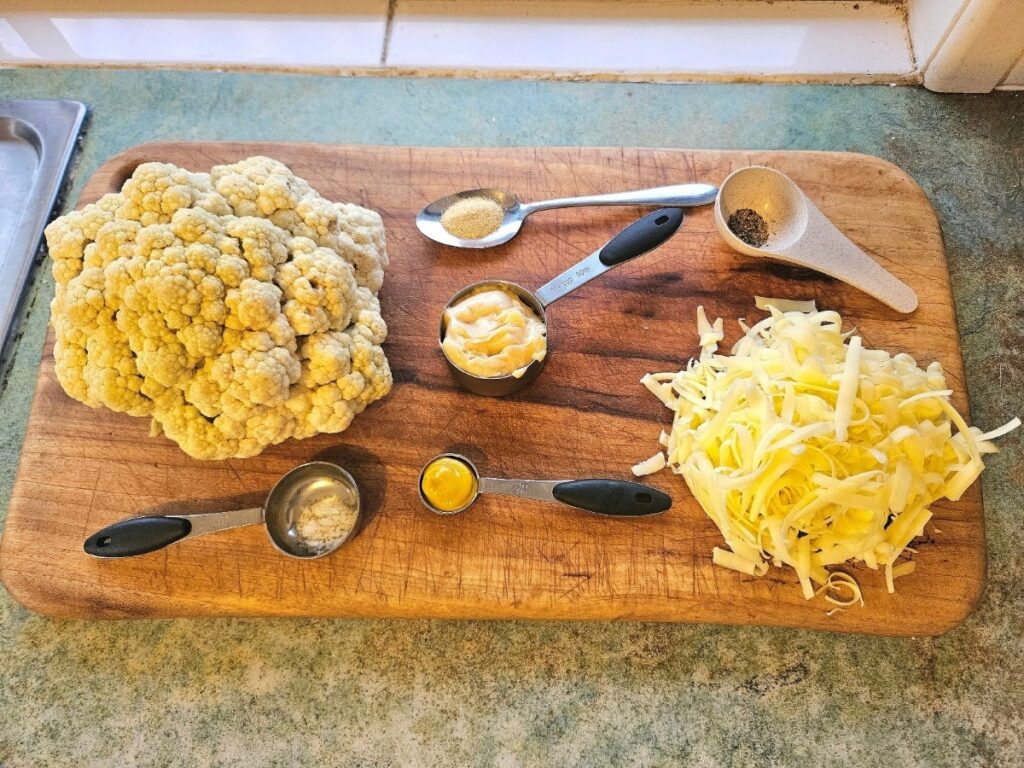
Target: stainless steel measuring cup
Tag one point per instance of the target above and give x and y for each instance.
(643, 235)
(611, 498)
(305, 484)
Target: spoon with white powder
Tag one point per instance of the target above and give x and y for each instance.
(309, 513)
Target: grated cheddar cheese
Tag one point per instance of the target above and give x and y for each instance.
(809, 450)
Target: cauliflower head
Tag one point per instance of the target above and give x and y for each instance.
(236, 308)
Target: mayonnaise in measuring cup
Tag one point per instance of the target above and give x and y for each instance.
(491, 333)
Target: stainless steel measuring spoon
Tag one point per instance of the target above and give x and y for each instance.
(301, 486)
(429, 219)
(611, 498)
(643, 235)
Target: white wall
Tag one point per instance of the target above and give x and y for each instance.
(1016, 77)
(966, 45)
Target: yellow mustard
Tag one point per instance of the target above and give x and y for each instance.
(448, 484)
(491, 332)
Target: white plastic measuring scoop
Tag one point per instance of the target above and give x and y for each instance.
(800, 234)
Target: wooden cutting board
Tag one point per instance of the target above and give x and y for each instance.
(587, 415)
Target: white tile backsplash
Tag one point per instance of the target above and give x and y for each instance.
(675, 37)
(744, 38)
(354, 40)
(13, 46)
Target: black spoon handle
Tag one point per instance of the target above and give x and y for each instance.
(643, 235)
(137, 536)
(618, 498)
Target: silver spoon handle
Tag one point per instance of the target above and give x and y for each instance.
(139, 535)
(538, 490)
(676, 194)
(222, 521)
(643, 235)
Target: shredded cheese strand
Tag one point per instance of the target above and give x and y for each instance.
(848, 388)
(836, 582)
(1009, 426)
(785, 305)
(649, 466)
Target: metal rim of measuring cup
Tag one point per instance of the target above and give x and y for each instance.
(464, 507)
(321, 468)
(496, 386)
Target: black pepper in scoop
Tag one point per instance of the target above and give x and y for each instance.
(749, 227)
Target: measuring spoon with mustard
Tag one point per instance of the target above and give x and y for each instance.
(450, 483)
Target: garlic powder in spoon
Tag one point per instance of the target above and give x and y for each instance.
(321, 523)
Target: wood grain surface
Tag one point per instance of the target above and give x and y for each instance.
(587, 415)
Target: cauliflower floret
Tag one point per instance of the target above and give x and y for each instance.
(68, 236)
(263, 245)
(365, 231)
(370, 364)
(111, 374)
(253, 305)
(319, 288)
(238, 308)
(326, 358)
(114, 240)
(261, 186)
(156, 190)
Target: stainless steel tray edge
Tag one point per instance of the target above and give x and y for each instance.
(52, 127)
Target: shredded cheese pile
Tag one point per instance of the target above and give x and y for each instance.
(809, 450)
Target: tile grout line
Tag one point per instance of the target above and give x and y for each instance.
(909, 39)
(389, 23)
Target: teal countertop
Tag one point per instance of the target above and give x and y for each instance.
(415, 693)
